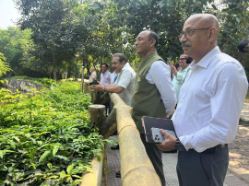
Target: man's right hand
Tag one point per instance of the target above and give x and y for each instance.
(169, 142)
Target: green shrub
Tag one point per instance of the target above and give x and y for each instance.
(46, 139)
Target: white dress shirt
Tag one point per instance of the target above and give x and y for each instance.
(105, 78)
(126, 80)
(210, 102)
(113, 77)
(159, 74)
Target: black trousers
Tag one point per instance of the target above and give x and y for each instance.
(155, 156)
(203, 169)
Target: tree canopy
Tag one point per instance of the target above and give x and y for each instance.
(3, 67)
(63, 34)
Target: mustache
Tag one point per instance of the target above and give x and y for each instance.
(185, 45)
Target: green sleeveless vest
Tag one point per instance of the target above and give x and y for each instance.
(146, 100)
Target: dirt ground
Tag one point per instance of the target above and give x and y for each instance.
(239, 151)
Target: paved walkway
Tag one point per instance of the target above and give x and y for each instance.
(169, 160)
(244, 115)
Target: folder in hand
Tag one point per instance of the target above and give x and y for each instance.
(153, 122)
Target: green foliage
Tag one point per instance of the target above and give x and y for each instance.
(46, 139)
(4, 68)
(233, 16)
(56, 33)
(66, 33)
(15, 45)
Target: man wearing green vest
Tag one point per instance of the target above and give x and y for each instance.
(154, 94)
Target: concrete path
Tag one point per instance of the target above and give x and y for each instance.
(244, 115)
(169, 161)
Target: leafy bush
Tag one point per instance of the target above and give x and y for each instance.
(4, 68)
(46, 139)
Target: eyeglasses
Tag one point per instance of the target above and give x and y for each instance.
(190, 32)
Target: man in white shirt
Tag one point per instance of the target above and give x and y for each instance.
(209, 106)
(154, 94)
(125, 78)
(105, 75)
(124, 82)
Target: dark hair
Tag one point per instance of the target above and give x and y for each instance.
(189, 60)
(153, 35)
(106, 65)
(242, 45)
(121, 57)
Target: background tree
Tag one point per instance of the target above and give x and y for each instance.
(55, 32)
(3, 67)
(164, 17)
(67, 33)
(15, 44)
(233, 16)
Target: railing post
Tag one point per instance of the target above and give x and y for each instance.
(97, 114)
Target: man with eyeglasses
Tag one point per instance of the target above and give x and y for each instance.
(208, 111)
(180, 75)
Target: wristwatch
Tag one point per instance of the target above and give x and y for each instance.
(179, 145)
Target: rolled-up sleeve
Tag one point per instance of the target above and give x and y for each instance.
(159, 74)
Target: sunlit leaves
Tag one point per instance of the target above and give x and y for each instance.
(46, 139)
(4, 68)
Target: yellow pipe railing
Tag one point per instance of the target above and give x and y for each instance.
(136, 167)
(94, 176)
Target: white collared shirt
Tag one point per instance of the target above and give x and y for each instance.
(159, 74)
(210, 102)
(113, 77)
(105, 78)
(126, 80)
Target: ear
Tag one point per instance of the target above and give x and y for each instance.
(153, 42)
(212, 35)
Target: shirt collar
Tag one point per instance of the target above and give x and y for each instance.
(207, 59)
(106, 72)
(126, 66)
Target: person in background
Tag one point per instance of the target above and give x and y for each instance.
(154, 93)
(174, 68)
(212, 96)
(105, 75)
(180, 75)
(244, 46)
(124, 81)
(105, 79)
(92, 77)
(123, 84)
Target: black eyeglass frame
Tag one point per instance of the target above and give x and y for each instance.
(190, 32)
